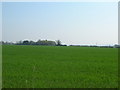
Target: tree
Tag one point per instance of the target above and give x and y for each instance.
(45, 42)
(26, 42)
(58, 42)
(31, 42)
(38, 42)
(19, 42)
(51, 43)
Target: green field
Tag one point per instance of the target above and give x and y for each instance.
(59, 67)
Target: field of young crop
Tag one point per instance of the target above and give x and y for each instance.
(59, 67)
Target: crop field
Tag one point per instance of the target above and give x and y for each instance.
(59, 67)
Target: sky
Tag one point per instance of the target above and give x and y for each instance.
(71, 22)
(0, 21)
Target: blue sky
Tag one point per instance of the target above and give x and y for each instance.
(70, 22)
(0, 21)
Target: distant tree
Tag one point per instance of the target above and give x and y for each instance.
(7, 43)
(116, 46)
(51, 43)
(45, 42)
(38, 42)
(58, 42)
(26, 42)
(32, 43)
(19, 43)
(2, 42)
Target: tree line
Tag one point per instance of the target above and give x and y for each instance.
(52, 43)
(39, 42)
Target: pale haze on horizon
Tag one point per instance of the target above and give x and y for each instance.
(71, 22)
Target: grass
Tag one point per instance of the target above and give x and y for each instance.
(0, 66)
(59, 67)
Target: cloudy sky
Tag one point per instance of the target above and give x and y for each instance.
(70, 22)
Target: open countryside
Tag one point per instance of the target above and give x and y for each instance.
(59, 67)
(59, 44)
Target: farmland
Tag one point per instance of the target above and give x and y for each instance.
(59, 67)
